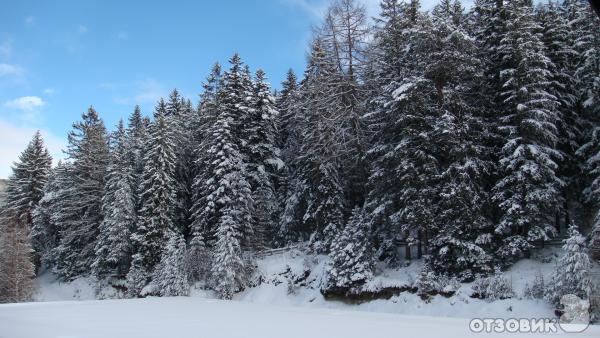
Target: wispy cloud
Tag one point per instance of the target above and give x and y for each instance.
(146, 91)
(49, 91)
(10, 70)
(25, 103)
(82, 29)
(30, 20)
(26, 109)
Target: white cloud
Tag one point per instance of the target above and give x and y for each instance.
(26, 103)
(14, 139)
(146, 91)
(30, 20)
(82, 29)
(27, 109)
(10, 70)
(49, 91)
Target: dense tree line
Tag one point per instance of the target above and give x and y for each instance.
(468, 135)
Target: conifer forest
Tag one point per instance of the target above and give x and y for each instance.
(464, 139)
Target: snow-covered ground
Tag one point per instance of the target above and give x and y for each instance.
(276, 288)
(286, 286)
(196, 317)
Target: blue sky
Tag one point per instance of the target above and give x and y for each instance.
(59, 57)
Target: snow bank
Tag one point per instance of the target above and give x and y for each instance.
(294, 279)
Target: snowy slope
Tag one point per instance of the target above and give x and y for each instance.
(282, 283)
(195, 317)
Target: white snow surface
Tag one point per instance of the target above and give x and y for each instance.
(197, 317)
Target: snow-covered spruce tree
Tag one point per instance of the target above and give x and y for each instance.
(198, 257)
(288, 141)
(17, 271)
(462, 231)
(29, 175)
(137, 136)
(427, 282)
(351, 256)
(221, 161)
(528, 192)
(572, 270)
(590, 155)
(487, 23)
(315, 201)
(81, 210)
(285, 106)
(558, 38)
(181, 117)
(223, 205)
(401, 156)
(51, 214)
(263, 162)
(585, 26)
(113, 249)
(158, 201)
(170, 276)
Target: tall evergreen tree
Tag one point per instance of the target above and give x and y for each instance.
(264, 161)
(558, 37)
(82, 209)
(462, 231)
(137, 136)
(170, 276)
(158, 201)
(25, 185)
(224, 202)
(572, 271)
(529, 189)
(315, 202)
(113, 250)
(180, 117)
(351, 256)
(49, 215)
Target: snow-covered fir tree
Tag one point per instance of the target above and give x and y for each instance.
(29, 175)
(402, 161)
(529, 188)
(181, 116)
(51, 214)
(264, 161)
(170, 276)
(462, 231)
(315, 199)
(572, 270)
(137, 136)
(224, 204)
(81, 211)
(158, 201)
(558, 37)
(113, 249)
(351, 256)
